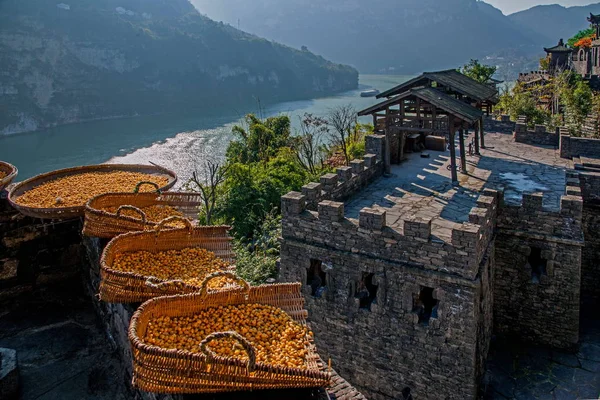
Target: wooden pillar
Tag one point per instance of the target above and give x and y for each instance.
(375, 121)
(463, 154)
(388, 142)
(477, 138)
(453, 154)
(482, 132)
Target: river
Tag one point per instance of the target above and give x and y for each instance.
(180, 143)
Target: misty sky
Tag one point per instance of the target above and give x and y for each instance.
(511, 6)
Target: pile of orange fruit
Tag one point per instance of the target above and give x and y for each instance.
(76, 190)
(191, 265)
(277, 339)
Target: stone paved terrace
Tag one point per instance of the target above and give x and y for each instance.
(422, 186)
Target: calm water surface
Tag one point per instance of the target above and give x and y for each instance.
(180, 143)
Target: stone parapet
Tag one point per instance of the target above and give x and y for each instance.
(540, 135)
(337, 187)
(571, 146)
(410, 243)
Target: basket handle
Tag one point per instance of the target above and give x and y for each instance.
(210, 355)
(230, 275)
(140, 184)
(165, 221)
(157, 284)
(132, 208)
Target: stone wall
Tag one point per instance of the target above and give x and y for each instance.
(539, 136)
(588, 180)
(350, 179)
(571, 146)
(35, 252)
(370, 237)
(538, 271)
(590, 269)
(502, 125)
(115, 317)
(385, 347)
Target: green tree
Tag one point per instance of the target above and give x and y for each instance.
(580, 35)
(260, 140)
(480, 72)
(251, 191)
(576, 97)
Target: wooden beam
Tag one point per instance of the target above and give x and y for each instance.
(463, 154)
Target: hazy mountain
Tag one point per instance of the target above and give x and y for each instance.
(405, 36)
(553, 22)
(76, 60)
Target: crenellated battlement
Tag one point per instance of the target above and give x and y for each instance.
(347, 180)
(413, 241)
(540, 135)
(531, 217)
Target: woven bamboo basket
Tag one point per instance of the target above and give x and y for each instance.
(104, 224)
(78, 211)
(11, 173)
(129, 287)
(160, 370)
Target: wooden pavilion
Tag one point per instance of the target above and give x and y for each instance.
(452, 83)
(424, 111)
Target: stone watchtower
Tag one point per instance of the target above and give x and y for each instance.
(398, 311)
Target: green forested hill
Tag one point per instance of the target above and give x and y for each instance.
(87, 59)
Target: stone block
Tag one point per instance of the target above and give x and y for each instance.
(571, 206)
(418, 228)
(540, 128)
(312, 191)
(520, 128)
(370, 160)
(573, 191)
(466, 236)
(293, 203)
(478, 216)
(533, 201)
(375, 144)
(329, 182)
(331, 211)
(372, 219)
(486, 202)
(505, 118)
(358, 166)
(344, 174)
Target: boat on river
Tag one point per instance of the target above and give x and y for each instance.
(369, 93)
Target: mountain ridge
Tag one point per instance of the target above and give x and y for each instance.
(554, 21)
(377, 36)
(96, 59)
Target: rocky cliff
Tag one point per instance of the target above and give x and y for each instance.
(78, 60)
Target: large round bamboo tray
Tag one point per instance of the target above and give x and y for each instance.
(79, 211)
(11, 172)
(160, 370)
(129, 287)
(103, 224)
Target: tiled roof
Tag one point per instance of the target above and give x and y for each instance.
(450, 78)
(433, 96)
